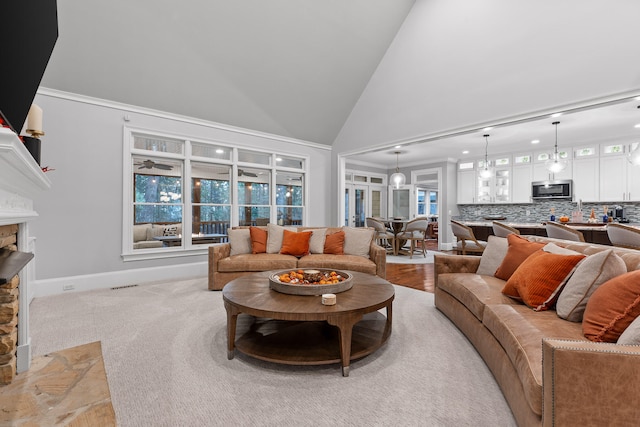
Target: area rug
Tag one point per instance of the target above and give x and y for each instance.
(63, 388)
(165, 354)
(417, 258)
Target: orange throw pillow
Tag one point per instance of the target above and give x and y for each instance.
(519, 250)
(258, 240)
(334, 243)
(295, 243)
(612, 308)
(539, 279)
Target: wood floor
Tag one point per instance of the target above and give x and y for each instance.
(415, 276)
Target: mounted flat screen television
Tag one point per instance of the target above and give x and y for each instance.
(28, 32)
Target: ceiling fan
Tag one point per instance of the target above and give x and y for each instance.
(243, 173)
(150, 164)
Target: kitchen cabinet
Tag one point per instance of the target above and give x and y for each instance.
(466, 186)
(497, 188)
(586, 185)
(613, 180)
(521, 183)
(540, 172)
(633, 183)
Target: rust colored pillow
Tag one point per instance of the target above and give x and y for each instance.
(519, 250)
(334, 243)
(258, 240)
(295, 243)
(540, 277)
(612, 308)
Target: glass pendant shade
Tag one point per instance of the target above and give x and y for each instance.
(486, 171)
(397, 178)
(556, 164)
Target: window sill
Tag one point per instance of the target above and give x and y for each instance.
(145, 254)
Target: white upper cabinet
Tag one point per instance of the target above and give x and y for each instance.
(466, 183)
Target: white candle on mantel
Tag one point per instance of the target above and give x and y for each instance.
(34, 118)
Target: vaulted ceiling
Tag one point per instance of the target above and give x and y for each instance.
(289, 67)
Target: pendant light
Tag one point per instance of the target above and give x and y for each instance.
(634, 156)
(486, 172)
(398, 178)
(556, 164)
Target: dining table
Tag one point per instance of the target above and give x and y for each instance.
(396, 225)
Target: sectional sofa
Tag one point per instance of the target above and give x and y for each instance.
(236, 258)
(549, 372)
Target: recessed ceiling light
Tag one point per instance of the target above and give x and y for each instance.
(487, 128)
(556, 114)
(535, 141)
(397, 146)
(465, 152)
(637, 126)
(278, 159)
(219, 151)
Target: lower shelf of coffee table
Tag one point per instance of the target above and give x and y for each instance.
(307, 343)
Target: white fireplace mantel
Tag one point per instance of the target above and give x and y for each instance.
(21, 179)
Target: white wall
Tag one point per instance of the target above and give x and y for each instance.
(79, 228)
(457, 63)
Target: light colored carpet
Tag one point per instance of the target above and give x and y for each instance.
(164, 349)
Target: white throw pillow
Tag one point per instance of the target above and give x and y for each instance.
(592, 271)
(631, 335)
(493, 255)
(357, 241)
(316, 242)
(552, 248)
(275, 236)
(240, 241)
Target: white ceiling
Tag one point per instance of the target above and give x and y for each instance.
(614, 122)
(293, 68)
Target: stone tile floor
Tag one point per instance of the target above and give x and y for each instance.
(68, 387)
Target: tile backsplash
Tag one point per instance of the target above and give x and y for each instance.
(541, 211)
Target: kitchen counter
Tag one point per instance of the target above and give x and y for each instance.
(593, 233)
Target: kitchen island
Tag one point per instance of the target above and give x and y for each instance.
(593, 233)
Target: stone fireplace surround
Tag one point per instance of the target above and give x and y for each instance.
(21, 179)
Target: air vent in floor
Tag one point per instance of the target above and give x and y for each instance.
(123, 287)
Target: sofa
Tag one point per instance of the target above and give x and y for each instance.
(236, 258)
(143, 234)
(547, 369)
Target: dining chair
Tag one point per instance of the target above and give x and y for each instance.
(415, 231)
(623, 236)
(503, 230)
(466, 239)
(564, 232)
(383, 237)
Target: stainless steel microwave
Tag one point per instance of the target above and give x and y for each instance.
(560, 189)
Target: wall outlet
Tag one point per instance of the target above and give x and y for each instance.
(528, 212)
(68, 287)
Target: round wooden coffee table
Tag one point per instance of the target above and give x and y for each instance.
(299, 330)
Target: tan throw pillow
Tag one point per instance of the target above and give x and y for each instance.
(631, 335)
(493, 255)
(240, 241)
(591, 273)
(274, 238)
(540, 277)
(519, 250)
(316, 243)
(612, 308)
(357, 241)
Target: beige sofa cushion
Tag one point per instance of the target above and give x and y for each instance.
(591, 273)
(140, 232)
(240, 241)
(275, 236)
(493, 255)
(257, 262)
(357, 241)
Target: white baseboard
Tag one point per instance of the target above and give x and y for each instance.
(112, 279)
